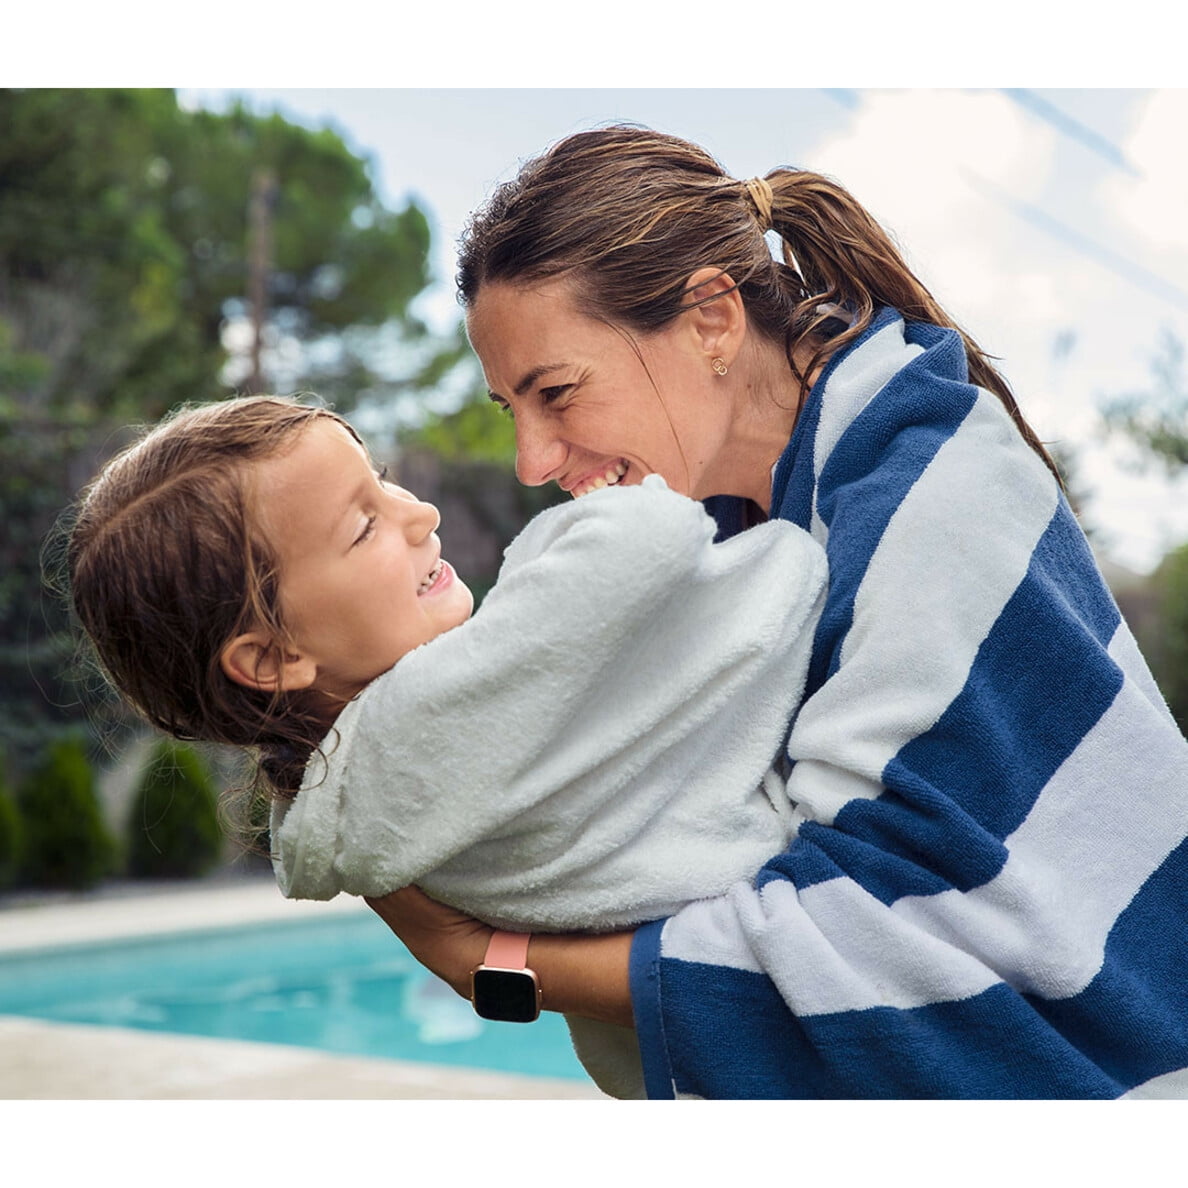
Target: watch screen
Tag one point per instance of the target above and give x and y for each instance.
(505, 994)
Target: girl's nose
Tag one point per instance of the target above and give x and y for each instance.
(539, 452)
(417, 518)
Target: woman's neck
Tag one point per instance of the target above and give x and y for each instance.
(764, 406)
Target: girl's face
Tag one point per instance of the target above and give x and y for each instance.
(362, 580)
(591, 405)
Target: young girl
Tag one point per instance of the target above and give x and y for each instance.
(594, 749)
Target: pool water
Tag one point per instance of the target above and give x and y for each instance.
(341, 985)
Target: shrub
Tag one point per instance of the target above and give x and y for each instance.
(173, 828)
(67, 843)
(12, 836)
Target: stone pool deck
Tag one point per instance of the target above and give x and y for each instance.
(43, 1060)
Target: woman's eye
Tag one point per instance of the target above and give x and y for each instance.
(549, 395)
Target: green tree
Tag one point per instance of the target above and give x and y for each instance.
(1156, 420)
(128, 251)
(173, 827)
(475, 432)
(126, 246)
(1169, 650)
(12, 833)
(67, 843)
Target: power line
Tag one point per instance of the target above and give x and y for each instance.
(1127, 269)
(846, 96)
(1073, 129)
(1116, 263)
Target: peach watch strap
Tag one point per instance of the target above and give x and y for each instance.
(507, 950)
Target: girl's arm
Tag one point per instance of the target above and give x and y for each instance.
(579, 975)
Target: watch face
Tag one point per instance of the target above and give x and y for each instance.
(509, 995)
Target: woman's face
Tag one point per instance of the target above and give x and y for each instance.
(594, 405)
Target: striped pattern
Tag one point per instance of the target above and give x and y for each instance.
(987, 892)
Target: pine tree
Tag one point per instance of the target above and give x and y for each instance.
(173, 826)
(67, 843)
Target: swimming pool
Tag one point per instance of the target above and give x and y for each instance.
(340, 985)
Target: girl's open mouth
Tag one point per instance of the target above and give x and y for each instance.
(433, 577)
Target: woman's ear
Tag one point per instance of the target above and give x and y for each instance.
(720, 321)
(256, 661)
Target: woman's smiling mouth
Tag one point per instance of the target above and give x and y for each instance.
(607, 478)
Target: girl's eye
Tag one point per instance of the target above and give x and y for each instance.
(382, 473)
(368, 529)
(549, 395)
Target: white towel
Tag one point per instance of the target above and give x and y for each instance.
(589, 750)
(594, 747)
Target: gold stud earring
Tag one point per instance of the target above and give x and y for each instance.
(719, 365)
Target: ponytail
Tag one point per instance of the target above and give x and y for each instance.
(842, 257)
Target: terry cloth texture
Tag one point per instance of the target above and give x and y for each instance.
(986, 893)
(594, 748)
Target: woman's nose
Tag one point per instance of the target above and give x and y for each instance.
(539, 452)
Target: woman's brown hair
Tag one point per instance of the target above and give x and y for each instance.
(630, 214)
(166, 565)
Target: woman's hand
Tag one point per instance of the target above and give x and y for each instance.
(580, 975)
(443, 940)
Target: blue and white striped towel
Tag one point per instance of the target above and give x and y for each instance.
(987, 892)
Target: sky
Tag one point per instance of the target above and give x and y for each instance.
(1049, 222)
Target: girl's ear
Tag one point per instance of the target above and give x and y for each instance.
(256, 661)
(720, 324)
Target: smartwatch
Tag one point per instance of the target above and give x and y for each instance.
(503, 987)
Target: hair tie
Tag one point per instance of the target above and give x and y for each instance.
(761, 194)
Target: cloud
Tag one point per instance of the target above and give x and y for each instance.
(965, 181)
(913, 157)
(1155, 205)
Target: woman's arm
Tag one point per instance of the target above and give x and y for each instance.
(579, 975)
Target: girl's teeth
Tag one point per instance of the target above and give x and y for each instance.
(430, 578)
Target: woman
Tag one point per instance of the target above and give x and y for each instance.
(984, 895)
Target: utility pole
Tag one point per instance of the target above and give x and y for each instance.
(260, 207)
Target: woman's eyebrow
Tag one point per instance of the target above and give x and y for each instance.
(532, 376)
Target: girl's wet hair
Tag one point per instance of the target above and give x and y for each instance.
(629, 215)
(166, 564)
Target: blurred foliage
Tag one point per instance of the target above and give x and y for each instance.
(476, 432)
(12, 833)
(173, 828)
(124, 247)
(40, 458)
(1169, 653)
(67, 843)
(124, 257)
(1156, 421)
